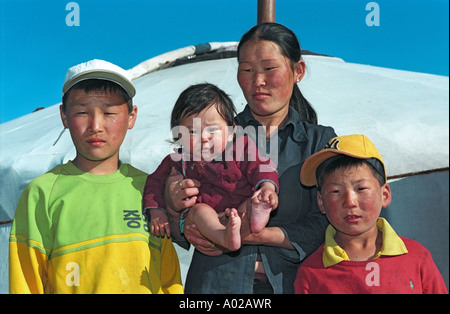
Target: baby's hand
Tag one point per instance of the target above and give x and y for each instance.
(266, 194)
(159, 225)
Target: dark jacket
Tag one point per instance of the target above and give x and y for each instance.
(297, 215)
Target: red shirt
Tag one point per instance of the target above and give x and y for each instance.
(410, 273)
(225, 184)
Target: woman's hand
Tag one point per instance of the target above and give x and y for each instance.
(180, 193)
(200, 242)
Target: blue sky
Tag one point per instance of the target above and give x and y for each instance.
(37, 46)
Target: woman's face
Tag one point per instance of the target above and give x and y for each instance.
(267, 78)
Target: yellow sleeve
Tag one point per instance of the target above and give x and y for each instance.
(27, 252)
(170, 269)
(27, 268)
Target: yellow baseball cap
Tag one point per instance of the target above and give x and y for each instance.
(356, 145)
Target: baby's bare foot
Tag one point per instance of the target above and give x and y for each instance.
(259, 216)
(233, 230)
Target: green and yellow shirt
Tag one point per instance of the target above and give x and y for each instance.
(75, 232)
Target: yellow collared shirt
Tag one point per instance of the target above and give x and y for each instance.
(392, 244)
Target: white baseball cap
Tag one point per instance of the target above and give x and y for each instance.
(99, 69)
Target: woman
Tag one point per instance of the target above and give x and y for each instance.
(270, 66)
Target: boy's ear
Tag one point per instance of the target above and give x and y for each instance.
(63, 117)
(386, 195)
(132, 118)
(320, 202)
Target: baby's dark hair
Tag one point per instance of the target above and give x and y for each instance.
(99, 85)
(198, 97)
(344, 162)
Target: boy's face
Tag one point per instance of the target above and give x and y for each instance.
(98, 122)
(208, 134)
(352, 199)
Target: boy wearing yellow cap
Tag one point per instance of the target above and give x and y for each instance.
(361, 253)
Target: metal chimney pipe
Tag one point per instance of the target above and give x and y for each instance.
(266, 11)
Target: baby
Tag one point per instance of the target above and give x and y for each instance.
(234, 178)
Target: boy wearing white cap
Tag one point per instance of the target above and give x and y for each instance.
(79, 227)
(361, 253)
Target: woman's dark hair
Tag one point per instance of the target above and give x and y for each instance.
(198, 97)
(290, 48)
